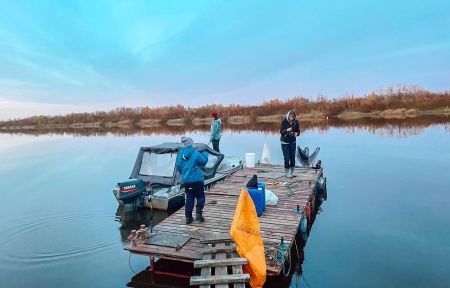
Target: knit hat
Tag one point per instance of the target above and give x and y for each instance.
(214, 114)
(187, 141)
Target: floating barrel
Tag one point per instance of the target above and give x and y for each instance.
(258, 198)
(321, 187)
(304, 227)
(308, 213)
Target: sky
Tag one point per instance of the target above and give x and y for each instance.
(62, 56)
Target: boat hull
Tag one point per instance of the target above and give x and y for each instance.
(170, 202)
(165, 203)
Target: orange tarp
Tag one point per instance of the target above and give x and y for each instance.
(247, 236)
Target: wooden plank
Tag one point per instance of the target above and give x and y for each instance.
(206, 271)
(220, 262)
(219, 279)
(219, 238)
(280, 223)
(237, 270)
(222, 270)
(226, 249)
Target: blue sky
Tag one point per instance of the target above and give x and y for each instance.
(61, 56)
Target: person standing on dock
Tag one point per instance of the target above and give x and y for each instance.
(188, 163)
(289, 130)
(216, 131)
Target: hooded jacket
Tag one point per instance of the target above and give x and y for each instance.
(188, 163)
(216, 129)
(289, 137)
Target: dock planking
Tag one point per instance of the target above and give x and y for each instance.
(279, 221)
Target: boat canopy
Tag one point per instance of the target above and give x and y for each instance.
(156, 164)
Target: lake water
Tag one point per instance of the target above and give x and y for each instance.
(385, 224)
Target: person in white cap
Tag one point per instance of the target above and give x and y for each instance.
(188, 163)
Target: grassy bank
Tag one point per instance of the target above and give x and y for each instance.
(395, 113)
(392, 103)
(314, 117)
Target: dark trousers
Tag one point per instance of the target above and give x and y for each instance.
(289, 154)
(194, 190)
(215, 144)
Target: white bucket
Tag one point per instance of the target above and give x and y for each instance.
(250, 160)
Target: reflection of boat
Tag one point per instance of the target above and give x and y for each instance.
(155, 182)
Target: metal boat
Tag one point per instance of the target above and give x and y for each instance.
(155, 182)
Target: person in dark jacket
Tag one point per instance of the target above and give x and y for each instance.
(188, 163)
(216, 131)
(289, 130)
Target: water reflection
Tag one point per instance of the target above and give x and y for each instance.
(381, 126)
(50, 231)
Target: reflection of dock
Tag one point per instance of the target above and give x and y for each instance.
(182, 241)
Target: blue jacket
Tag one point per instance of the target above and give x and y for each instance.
(216, 129)
(189, 161)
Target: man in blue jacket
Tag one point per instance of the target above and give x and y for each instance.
(189, 161)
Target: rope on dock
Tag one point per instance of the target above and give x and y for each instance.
(280, 250)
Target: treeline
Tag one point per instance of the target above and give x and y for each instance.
(404, 97)
(391, 127)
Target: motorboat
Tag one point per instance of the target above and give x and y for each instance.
(155, 182)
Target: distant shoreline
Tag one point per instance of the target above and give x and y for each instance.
(403, 102)
(401, 113)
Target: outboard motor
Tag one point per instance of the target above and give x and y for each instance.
(130, 190)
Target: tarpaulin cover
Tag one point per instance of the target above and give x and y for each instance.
(156, 164)
(246, 234)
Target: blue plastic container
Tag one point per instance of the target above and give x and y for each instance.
(262, 186)
(258, 197)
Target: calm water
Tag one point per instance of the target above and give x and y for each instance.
(385, 224)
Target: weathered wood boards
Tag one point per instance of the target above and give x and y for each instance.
(218, 259)
(277, 221)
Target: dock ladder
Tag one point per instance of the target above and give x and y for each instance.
(220, 264)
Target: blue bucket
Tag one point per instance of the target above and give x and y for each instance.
(258, 197)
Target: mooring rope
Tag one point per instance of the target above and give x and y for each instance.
(129, 264)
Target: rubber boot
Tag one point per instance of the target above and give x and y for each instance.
(288, 173)
(199, 216)
(292, 172)
(189, 220)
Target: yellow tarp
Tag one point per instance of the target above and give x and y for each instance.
(247, 236)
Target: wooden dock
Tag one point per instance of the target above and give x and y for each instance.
(279, 221)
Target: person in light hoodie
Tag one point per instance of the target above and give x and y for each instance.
(289, 130)
(189, 163)
(216, 131)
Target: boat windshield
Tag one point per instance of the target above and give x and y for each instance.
(212, 160)
(158, 164)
